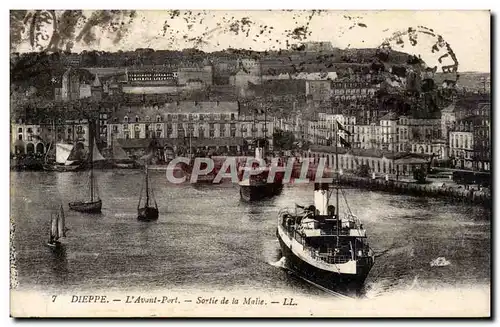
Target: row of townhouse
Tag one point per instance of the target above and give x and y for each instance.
(465, 142)
(206, 123)
(36, 137)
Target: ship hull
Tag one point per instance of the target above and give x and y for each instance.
(124, 165)
(86, 207)
(330, 279)
(54, 244)
(259, 192)
(207, 179)
(63, 168)
(147, 214)
(27, 164)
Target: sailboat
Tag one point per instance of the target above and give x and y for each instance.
(57, 229)
(65, 152)
(65, 155)
(147, 212)
(94, 202)
(98, 161)
(321, 244)
(119, 157)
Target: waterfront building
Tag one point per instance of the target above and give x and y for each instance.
(470, 140)
(35, 137)
(367, 136)
(380, 162)
(482, 137)
(320, 130)
(206, 126)
(448, 119)
(462, 147)
(389, 132)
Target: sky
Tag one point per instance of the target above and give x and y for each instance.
(466, 32)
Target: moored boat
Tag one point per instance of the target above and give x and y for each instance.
(66, 159)
(254, 184)
(92, 206)
(119, 158)
(147, 212)
(122, 165)
(257, 187)
(94, 203)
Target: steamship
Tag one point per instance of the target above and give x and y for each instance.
(254, 185)
(323, 246)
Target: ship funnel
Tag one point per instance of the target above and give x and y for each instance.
(321, 198)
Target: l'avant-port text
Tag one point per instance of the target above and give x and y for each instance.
(156, 299)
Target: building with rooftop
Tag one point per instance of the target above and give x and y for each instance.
(205, 126)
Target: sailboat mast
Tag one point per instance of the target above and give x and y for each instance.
(265, 126)
(147, 187)
(51, 233)
(253, 129)
(91, 149)
(112, 150)
(53, 142)
(190, 144)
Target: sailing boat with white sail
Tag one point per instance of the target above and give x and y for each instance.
(65, 155)
(94, 203)
(57, 229)
(148, 212)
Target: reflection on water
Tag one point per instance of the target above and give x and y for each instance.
(59, 264)
(207, 238)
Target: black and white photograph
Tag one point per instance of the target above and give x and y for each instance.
(250, 163)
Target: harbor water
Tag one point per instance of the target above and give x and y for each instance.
(207, 238)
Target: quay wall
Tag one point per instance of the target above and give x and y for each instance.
(454, 194)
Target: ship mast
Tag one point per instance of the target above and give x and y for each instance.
(91, 149)
(53, 142)
(147, 187)
(190, 144)
(112, 150)
(265, 126)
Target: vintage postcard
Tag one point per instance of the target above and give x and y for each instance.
(273, 163)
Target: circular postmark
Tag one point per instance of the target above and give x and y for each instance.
(42, 29)
(435, 48)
